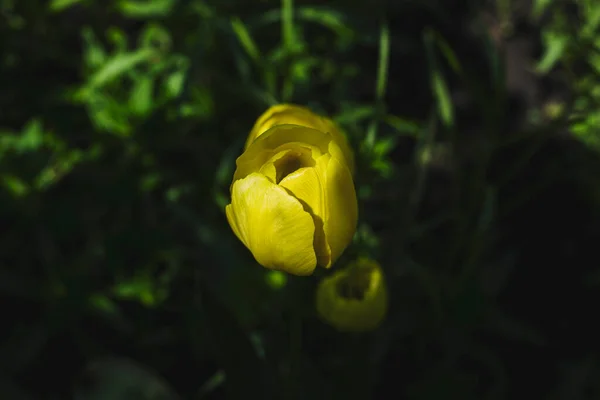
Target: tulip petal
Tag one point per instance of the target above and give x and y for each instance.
(327, 191)
(306, 185)
(281, 114)
(341, 207)
(283, 137)
(273, 225)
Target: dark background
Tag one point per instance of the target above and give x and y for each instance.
(476, 131)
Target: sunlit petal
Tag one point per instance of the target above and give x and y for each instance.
(305, 184)
(340, 209)
(327, 192)
(273, 225)
(297, 115)
(279, 138)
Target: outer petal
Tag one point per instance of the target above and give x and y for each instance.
(327, 190)
(281, 114)
(273, 225)
(298, 115)
(284, 137)
(307, 185)
(341, 207)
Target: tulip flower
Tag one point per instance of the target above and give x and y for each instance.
(293, 202)
(353, 299)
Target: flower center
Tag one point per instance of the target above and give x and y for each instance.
(355, 285)
(290, 163)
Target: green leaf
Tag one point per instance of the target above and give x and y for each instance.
(328, 18)
(382, 66)
(440, 90)
(556, 44)
(108, 115)
(448, 53)
(118, 38)
(592, 19)
(355, 114)
(201, 105)
(287, 25)
(539, 7)
(61, 5)
(301, 69)
(63, 164)
(212, 384)
(116, 66)
(106, 308)
(141, 100)
(32, 136)
(175, 83)
(369, 140)
(145, 9)
(246, 40)
(384, 145)
(443, 99)
(403, 126)
(155, 36)
(15, 185)
(141, 288)
(94, 54)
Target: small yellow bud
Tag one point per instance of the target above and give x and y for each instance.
(354, 299)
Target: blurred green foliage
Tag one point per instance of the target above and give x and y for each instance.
(120, 122)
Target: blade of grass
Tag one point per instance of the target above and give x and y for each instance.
(448, 53)
(555, 47)
(403, 126)
(246, 40)
(330, 19)
(369, 141)
(60, 5)
(327, 18)
(441, 92)
(117, 66)
(384, 56)
(148, 9)
(287, 24)
(355, 114)
(381, 84)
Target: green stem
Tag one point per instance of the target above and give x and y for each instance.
(287, 24)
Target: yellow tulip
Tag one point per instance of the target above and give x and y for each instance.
(354, 299)
(293, 202)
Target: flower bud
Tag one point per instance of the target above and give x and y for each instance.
(353, 299)
(293, 202)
